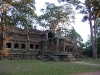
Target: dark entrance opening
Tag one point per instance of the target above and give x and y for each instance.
(23, 46)
(50, 35)
(16, 45)
(37, 46)
(71, 50)
(8, 45)
(31, 46)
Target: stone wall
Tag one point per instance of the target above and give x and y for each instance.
(22, 42)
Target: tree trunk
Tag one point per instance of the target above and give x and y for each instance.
(92, 39)
(95, 37)
(2, 30)
(2, 23)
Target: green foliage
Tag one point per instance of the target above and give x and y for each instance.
(98, 36)
(81, 46)
(55, 16)
(98, 28)
(17, 12)
(74, 2)
(88, 47)
(88, 43)
(98, 46)
(90, 7)
(73, 35)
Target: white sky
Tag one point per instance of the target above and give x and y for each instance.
(82, 28)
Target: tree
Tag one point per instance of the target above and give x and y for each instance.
(73, 35)
(17, 12)
(73, 2)
(88, 47)
(91, 9)
(98, 28)
(55, 16)
(98, 46)
(92, 12)
(98, 36)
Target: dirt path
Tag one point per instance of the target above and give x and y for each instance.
(84, 63)
(89, 73)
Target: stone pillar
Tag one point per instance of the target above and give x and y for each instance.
(27, 46)
(64, 45)
(34, 46)
(12, 45)
(75, 48)
(57, 44)
(19, 46)
(4, 44)
(51, 45)
(66, 49)
(43, 45)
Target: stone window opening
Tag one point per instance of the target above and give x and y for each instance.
(16, 45)
(23, 46)
(37, 46)
(8, 45)
(31, 46)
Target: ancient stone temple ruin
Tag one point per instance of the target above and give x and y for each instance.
(17, 43)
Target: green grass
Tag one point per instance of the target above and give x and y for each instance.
(90, 60)
(35, 67)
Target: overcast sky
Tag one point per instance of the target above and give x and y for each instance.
(82, 28)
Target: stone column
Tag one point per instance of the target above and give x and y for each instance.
(34, 45)
(4, 44)
(64, 45)
(75, 48)
(57, 44)
(12, 45)
(19, 45)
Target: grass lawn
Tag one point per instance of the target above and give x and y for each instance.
(90, 60)
(36, 67)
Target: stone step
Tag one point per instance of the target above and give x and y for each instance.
(71, 57)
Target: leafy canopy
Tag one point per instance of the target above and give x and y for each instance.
(55, 16)
(17, 12)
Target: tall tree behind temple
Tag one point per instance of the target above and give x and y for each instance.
(88, 43)
(91, 9)
(55, 16)
(92, 12)
(98, 36)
